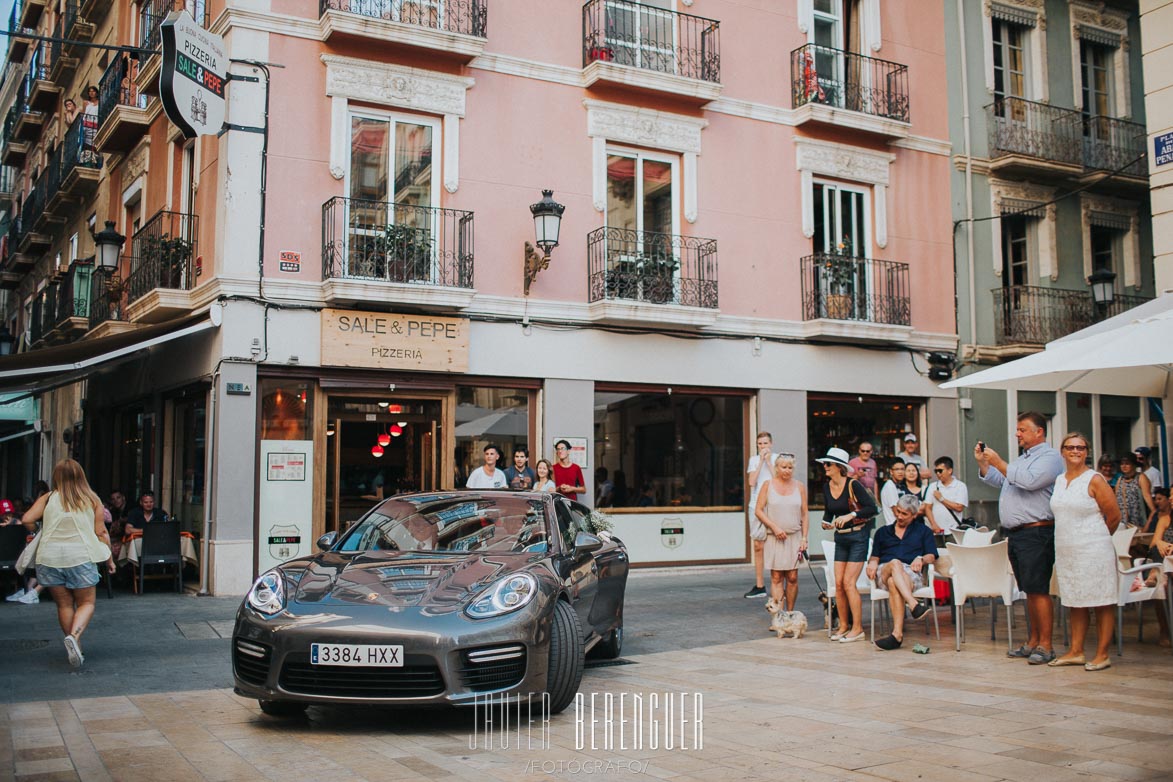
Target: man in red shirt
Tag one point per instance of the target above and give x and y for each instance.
(568, 479)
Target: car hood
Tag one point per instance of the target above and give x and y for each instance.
(434, 582)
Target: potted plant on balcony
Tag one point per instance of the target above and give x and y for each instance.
(839, 270)
(657, 274)
(170, 257)
(407, 253)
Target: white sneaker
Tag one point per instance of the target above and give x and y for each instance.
(29, 597)
(73, 651)
(15, 596)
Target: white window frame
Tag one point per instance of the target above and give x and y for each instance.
(640, 155)
(870, 24)
(1130, 239)
(865, 252)
(1034, 45)
(392, 118)
(848, 164)
(668, 10)
(849, 187)
(1113, 22)
(1041, 230)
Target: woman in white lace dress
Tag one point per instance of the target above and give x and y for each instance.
(1086, 515)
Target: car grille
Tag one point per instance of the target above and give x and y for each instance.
(418, 678)
(252, 661)
(492, 668)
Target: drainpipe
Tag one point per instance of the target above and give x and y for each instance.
(968, 149)
(209, 482)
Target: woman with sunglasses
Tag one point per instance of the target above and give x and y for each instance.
(1086, 515)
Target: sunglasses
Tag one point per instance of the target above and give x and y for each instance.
(939, 470)
(1075, 448)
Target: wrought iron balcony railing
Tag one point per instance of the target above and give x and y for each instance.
(1033, 315)
(115, 88)
(107, 298)
(466, 17)
(73, 292)
(75, 151)
(1037, 130)
(651, 38)
(395, 242)
(153, 12)
(44, 316)
(842, 287)
(34, 206)
(39, 62)
(647, 266)
(846, 80)
(1111, 144)
(162, 253)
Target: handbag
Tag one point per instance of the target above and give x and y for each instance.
(28, 556)
(854, 506)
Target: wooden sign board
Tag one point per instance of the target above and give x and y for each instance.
(382, 340)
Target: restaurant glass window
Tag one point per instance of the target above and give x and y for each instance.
(186, 502)
(663, 449)
(136, 455)
(845, 421)
(285, 410)
(496, 416)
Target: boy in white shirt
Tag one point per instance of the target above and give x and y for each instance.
(757, 475)
(488, 476)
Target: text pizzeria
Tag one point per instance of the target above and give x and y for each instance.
(409, 353)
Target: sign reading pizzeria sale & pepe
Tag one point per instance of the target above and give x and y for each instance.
(384, 340)
(192, 76)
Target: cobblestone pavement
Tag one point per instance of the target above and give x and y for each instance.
(772, 709)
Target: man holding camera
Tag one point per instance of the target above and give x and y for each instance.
(1024, 508)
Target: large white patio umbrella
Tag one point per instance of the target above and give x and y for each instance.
(1129, 355)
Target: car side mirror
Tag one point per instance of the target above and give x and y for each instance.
(326, 542)
(586, 543)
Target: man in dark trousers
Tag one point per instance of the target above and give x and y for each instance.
(1024, 507)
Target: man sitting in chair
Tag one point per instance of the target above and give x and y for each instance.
(144, 514)
(900, 552)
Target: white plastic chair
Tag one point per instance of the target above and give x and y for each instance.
(863, 584)
(1125, 575)
(981, 571)
(927, 592)
(974, 537)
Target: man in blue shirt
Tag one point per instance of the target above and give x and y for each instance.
(1024, 510)
(900, 552)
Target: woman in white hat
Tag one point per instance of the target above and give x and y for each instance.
(848, 508)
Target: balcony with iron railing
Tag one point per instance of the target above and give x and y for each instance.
(152, 13)
(62, 64)
(452, 27)
(1029, 316)
(74, 168)
(15, 151)
(43, 92)
(1030, 138)
(162, 271)
(107, 304)
(18, 47)
(396, 252)
(9, 186)
(837, 87)
(43, 315)
(1116, 145)
(28, 122)
(94, 11)
(842, 292)
(79, 26)
(11, 274)
(72, 315)
(628, 270)
(123, 117)
(31, 12)
(34, 238)
(628, 44)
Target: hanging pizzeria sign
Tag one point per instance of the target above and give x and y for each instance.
(192, 77)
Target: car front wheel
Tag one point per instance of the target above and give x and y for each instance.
(282, 708)
(564, 672)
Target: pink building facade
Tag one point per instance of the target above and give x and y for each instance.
(756, 236)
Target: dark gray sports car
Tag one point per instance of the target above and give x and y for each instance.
(438, 598)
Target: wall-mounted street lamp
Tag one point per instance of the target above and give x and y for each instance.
(109, 243)
(1103, 286)
(547, 223)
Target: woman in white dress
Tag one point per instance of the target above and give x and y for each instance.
(1086, 515)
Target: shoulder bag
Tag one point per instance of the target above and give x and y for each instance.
(28, 556)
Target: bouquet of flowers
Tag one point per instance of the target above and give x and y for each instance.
(600, 524)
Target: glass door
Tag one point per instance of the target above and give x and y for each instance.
(643, 35)
(827, 35)
(377, 447)
(841, 238)
(186, 500)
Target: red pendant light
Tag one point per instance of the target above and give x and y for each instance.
(384, 439)
(377, 451)
(396, 430)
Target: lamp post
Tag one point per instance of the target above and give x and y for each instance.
(1103, 288)
(109, 249)
(547, 215)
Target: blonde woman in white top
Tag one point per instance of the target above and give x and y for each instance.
(544, 482)
(73, 538)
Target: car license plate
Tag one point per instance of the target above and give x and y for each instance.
(365, 655)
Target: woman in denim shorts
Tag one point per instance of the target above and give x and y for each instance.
(73, 538)
(852, 531)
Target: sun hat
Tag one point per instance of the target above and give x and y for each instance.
(835, 456)
(910, 438)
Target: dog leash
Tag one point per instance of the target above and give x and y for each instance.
(812, 570)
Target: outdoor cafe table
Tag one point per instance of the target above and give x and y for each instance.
(132, 549)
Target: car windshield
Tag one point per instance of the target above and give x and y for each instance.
(451, 522)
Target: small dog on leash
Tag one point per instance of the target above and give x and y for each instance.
(784, 623)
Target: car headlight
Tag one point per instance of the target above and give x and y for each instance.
(508, 594)
(268, 594)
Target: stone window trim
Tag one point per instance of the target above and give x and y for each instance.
(1019, 12)
(1120, 215)
(871, 29)
(398, 87)
(1016, 198)
(1104, 26)
(850, 164)
(618, 123)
